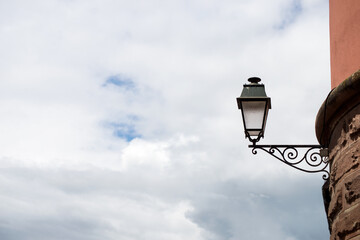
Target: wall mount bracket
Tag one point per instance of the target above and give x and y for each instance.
(306, 158)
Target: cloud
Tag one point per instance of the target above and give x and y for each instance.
(119, 119)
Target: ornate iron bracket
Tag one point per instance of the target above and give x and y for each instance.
(306, 158)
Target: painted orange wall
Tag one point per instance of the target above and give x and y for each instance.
(344, 39)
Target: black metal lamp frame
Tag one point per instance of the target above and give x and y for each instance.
(306, 158)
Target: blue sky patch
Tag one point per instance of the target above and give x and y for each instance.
(290, 15)
(125, 131)
(120, 81)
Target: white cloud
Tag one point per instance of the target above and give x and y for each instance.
(186, 172)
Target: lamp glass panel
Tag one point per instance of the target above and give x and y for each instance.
(253, 112)
(254, 132)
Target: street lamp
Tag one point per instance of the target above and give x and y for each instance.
(254, 105)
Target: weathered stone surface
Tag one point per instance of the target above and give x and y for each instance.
(354, 128)
(353, 236)
(356, 236)
(344, 207)
(346, 163)
(347, 224)
(342, 99)
(344, 187)
(352, 190)
(336, 204)
(338, 128)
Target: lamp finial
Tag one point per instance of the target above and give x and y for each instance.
(254, 79)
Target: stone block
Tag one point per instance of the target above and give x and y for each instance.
(352, 186)
(336, 204)
(348, 162)
(347, 224)
(355, 236)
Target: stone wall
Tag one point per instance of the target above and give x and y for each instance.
(344, 187)
(338, 127)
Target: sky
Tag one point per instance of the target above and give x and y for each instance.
(119, 119)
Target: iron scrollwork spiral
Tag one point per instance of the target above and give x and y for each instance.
(306, 158)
